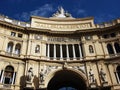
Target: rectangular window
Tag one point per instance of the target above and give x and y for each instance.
(57, 50)
(64, 51)
(51, 50)
(77, 52)
(13, 34)
(20, 35)
(70, 50)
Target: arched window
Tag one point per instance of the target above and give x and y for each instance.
(8, 75)
(91, 49)
(113, 35)
(10, 47)
(110, 49)
(17, 49)
(117, 47)
(37, 49)
(118, 73)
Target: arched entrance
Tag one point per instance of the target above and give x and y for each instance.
(67, 80)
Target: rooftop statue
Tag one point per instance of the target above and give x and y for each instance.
(61, 10)
(61, 13)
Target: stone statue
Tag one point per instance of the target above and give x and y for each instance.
(41, 76)
(61, 10)
(65, 65)
(30, 74)
(67, 14)
(61, 13)
(91, 76)
(102, 75)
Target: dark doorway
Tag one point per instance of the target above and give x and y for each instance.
(66, 80)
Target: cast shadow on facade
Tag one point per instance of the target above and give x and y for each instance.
(35, 82)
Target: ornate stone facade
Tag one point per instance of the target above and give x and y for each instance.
(60, 51)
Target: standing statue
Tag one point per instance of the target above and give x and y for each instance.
(30, 74)
(65, 65)
(91, 76)
(61, 11)
(102, 75)
(67, 14)
(41, 76)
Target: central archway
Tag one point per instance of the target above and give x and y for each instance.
(67, 79)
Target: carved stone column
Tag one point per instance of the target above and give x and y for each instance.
(2, 76)
(80, 52)
(61, 52)
(67, 51)
(74, 56)
(54, 51)
(114, 49)
(48, 50)
(13, 78)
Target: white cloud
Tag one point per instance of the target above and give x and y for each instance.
(43, 11)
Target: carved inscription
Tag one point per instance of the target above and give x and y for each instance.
(63, 26)
(63, 39)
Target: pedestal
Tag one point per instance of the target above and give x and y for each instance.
(41, 85)
(104, 84)
(28, 84)
(93, 85)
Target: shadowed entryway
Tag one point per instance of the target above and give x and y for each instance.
(66, 78)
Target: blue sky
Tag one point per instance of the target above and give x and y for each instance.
(101, 10)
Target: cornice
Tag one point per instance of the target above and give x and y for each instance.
(11, 25)
(63, 19)
(48, 31)
(109, 39)
(36, 30)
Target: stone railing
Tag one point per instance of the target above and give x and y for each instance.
(15, 22)
(108, 24)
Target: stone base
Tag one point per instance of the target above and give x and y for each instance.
(29, 85)
(105, 84)
(93, 85)
(41, 85)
